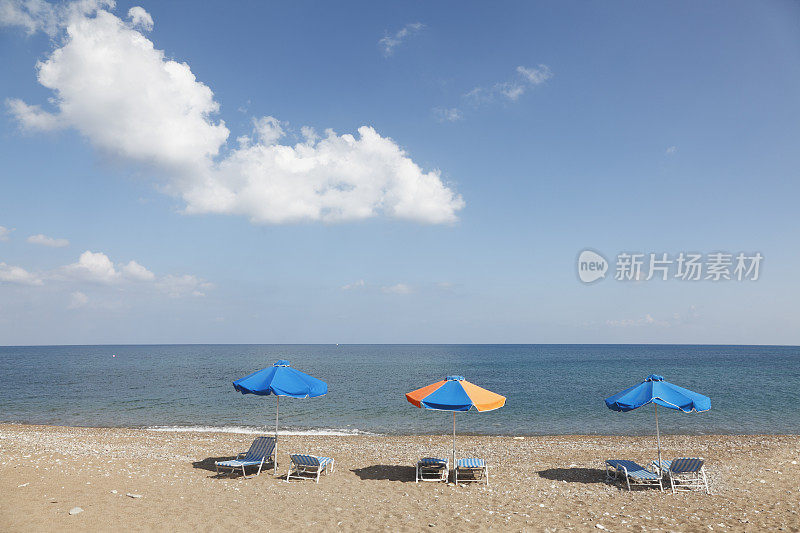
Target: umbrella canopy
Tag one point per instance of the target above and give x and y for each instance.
(281, 380)
(658, 392)
(454, 393)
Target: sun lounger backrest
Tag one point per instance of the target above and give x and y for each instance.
(686, 464)
(261, 448)
(305, 460)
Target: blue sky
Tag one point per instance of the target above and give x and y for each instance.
(502, 140)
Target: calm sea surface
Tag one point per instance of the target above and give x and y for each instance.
(551, 389)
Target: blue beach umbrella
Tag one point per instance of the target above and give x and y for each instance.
(658, 392)
(281, 380)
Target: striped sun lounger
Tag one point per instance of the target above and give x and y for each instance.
(471, 469)
(261, 451)
(634, 474)
(432, 469)
(308, 466)
(685, 473)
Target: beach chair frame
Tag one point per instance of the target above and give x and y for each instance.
(629, 470)
(471, 472)
(262, 449)
(305, 466)
(432, 469)
(685, 474)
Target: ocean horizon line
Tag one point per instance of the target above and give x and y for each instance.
(767, 345)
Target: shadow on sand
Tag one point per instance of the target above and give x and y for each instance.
(386, 472)
(574, 475)
(208, 464)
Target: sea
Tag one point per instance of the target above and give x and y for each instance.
(550, 389)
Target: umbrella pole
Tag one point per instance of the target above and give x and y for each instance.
(454, 439)
(277, 405)
(658, 437)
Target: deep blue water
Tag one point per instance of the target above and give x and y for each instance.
(551, 389)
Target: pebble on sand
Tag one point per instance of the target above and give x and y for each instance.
(75, 510)
(133, 495)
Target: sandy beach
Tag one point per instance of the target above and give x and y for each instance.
(537, 484)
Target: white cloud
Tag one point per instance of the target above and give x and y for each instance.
(38, 15)
(5, 233)
(671, 150)
(390, 42)
(536, 75)
(97, 268)
(140, 18)
(77, 300)
(94, 267)
(451, 114)
(137, 272)
(18, 275)
(186, 285)
(360, 284)
(44, 240)
(32, 117)
(337, 178)
(646, 320)
(399, 288)
(511, 90)
(120, 92)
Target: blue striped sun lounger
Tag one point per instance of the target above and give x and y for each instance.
(432, 469)
(261, 451)
(308, 466)
(471, 469)
(685, 473)
(633, 473)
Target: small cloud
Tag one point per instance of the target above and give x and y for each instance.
(446, 286)
(186, 285)
(44, 240)
(535, 75)
(140, 18)
(97, 267)
(18, 275)
(5, 233)
(137, 272)
(77, 300)
(646, 320)
(360, 284)
(513, 89)
(671, 150)
(94, 267)
(389, 42)
(452, 114)
(33, 117)
(399, 288)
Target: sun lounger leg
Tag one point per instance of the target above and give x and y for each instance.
(486, 471)
(705, 481)
(627, 479)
